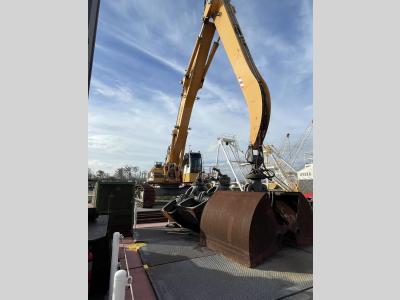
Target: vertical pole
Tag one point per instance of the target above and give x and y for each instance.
(120, 283)
(114, 262)
(235, 153)
(134, 213)
(233, 171)
(219, 143)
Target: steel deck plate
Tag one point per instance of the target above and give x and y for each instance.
(180, 269)
(165, 245)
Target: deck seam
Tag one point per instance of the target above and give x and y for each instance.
(171, 262)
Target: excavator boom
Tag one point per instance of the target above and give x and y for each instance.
(192, 82)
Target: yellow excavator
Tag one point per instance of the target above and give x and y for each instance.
(218, 16)
(246, 226)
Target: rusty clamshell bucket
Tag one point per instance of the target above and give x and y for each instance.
(240, 225)
(248, 227)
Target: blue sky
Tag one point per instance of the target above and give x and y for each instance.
(142, 49)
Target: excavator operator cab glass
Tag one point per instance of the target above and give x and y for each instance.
(195, 162)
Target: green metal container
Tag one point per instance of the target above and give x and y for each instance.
(115, 199)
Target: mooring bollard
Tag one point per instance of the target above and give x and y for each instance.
(114, 262)
(120, 283)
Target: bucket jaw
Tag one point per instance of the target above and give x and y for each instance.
(249, 227)
(241, 226)
(296, 216)
(186, 213)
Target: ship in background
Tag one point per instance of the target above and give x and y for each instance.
(290, 173)
(305, 178)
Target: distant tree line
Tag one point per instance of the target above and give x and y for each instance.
(125, 173)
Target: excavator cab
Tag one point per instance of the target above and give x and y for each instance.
(156, 175)
(171, 173)
(192, 166)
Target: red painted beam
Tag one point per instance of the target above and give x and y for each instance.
(140, 287)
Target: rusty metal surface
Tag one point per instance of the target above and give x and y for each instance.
(147, 195)
(149, 215)
(241, 226)
(304, 222)
(297, 215)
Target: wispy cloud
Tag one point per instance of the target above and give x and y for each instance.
(308, 107)
(116, 92)
(129, 40)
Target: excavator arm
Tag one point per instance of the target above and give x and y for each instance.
(253, 86)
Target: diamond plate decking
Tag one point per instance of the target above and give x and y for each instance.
(179, 268)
